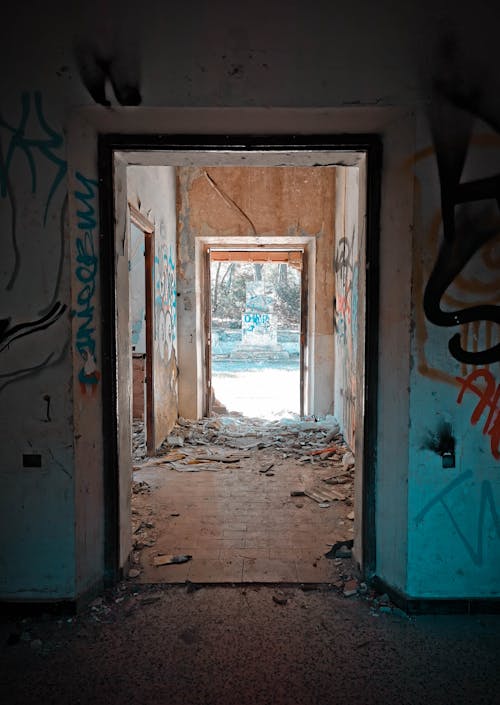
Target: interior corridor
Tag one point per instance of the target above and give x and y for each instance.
(245, 501)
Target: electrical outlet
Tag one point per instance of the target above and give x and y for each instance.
(448, 459)
(32, 460)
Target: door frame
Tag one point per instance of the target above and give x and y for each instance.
(141, 222)
(108, 144)
(264, 247)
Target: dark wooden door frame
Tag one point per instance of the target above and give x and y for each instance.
(371, 146)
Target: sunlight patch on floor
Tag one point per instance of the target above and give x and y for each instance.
(267, 393)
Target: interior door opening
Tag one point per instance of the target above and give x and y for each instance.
(257, 322)
(324, 248)
(141, 256)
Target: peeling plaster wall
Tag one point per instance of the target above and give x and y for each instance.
(230, 202)
(52, 518)
(152, 191)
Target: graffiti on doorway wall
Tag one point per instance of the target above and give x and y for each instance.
(86, 273)
(30, 156)
(165, 301)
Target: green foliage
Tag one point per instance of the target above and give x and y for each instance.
(228, 284)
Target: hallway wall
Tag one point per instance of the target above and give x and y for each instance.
(274, 201)
(349, 304)
(152, 191)
(288, 70)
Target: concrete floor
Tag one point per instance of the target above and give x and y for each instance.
(206, 644)
(247, 646)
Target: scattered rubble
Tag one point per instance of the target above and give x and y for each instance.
(305, 440)
(350, 588)
(231, 443)
(138, 441)
(140, 487)
(340, 549)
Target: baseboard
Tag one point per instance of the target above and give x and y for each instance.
(64, 607)
(437, 605)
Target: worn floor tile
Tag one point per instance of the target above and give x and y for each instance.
(206, 570)
(262, 570)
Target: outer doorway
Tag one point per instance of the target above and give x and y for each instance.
(362, 154)
(256, 339)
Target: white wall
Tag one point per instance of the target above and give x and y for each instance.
(152, 191)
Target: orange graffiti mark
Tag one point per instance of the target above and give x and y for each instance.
(421, 334)
(488, 396)
(344, 308)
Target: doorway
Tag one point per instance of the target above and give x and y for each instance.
(141, 265)
(256, 331)
(353, 152)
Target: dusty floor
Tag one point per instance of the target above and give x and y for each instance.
(247, 645)
(329, 640)
(220, 492)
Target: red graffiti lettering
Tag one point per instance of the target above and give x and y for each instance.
(488, 395)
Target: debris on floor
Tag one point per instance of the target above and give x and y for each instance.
(140, 487)
(300, 439)
(340, 549)
(230, 540)
(169, 560)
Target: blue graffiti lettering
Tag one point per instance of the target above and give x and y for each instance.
(86, 272)
(487, 500)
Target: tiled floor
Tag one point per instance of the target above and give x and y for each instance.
(238, 524)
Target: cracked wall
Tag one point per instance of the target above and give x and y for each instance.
(273, 202)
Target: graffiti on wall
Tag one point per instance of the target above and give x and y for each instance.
(470, 214)
(473, 545)
(487, 407)
(86, 273)
(463, 288)
(165, 301)
(466, 290)
(343, 284)
(30, 144)
(255, 321)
